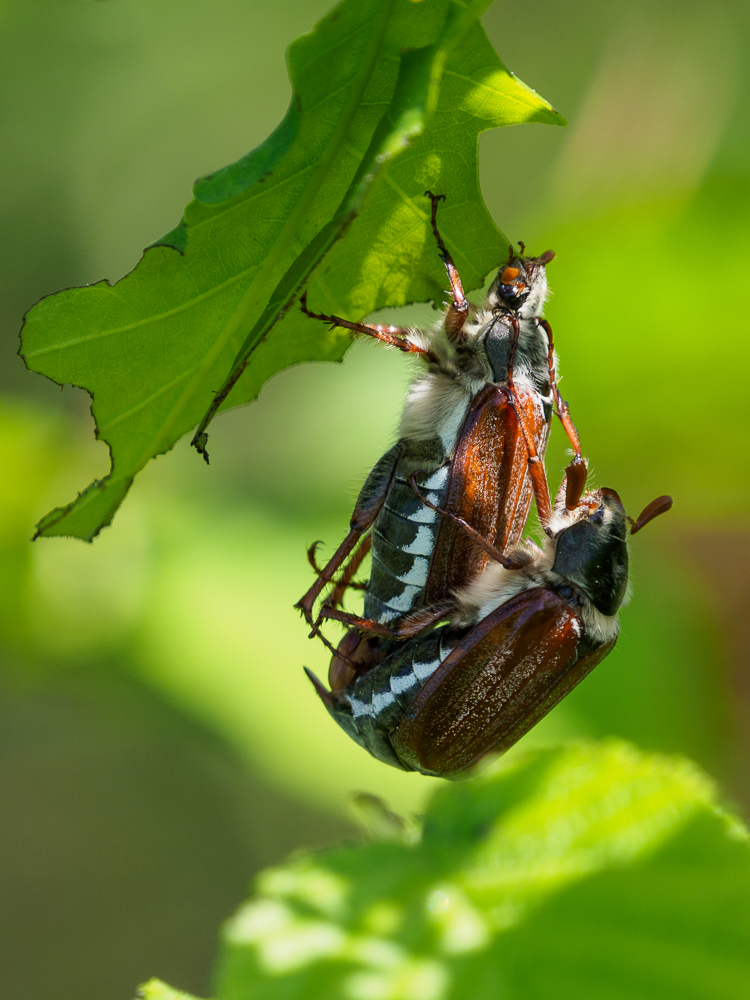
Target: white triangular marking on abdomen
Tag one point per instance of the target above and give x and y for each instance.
(403, 683)
(425, 670)
(422, 544)
(417, 575)
(405, 600)
(438, 479)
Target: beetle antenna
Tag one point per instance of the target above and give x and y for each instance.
(575, 482)
(659, 506)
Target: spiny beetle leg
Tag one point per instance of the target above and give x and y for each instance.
(395, 336)
(307, 603)
(408, 627)
(458, 311)
(346, 581)
(561, 407)
(365, 624)
(535, 465)
(371, 498)
(488, 547)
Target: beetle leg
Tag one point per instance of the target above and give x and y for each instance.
(575, 473)
(418, 621)
(394, 336)
(488, 547)
(406, 628)
(561, 407)
(344, 582)
(535, 464)
(311, 557)
(371, 499)
(306, 603)
(335, 650)
(328, 612)
(458, 311)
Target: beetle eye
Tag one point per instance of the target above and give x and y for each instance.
(598, 516)
(509, 274)
(566, 591)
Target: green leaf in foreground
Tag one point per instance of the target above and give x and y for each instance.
(594, 871)
(154, 989)
(389, 99)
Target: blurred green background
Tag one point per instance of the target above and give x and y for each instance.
(158, 741)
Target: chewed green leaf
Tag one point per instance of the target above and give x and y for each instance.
(251, 169)
(593, 871)
(384, 90)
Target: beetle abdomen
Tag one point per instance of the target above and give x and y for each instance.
(403, 540)
(375, 703)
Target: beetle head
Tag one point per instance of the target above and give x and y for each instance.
(521, 284)
(592, 551)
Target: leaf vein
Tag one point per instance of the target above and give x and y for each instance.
(142, 322)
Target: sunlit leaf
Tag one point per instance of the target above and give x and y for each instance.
(154, 989)
(385, 91)
(594, 871)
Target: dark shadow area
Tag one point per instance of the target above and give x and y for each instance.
(127, 836)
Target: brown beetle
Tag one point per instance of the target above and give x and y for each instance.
(522, 634)
(471, 422)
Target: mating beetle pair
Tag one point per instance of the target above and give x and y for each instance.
(445, 510)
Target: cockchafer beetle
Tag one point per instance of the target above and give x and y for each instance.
(474, 429)
(521, 635)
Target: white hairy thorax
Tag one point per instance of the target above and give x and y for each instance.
(495, 585)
